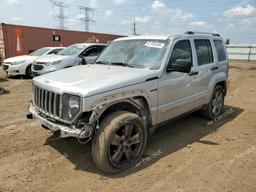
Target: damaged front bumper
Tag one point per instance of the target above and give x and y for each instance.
(64, 130)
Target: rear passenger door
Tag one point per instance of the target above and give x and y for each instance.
(206, 65)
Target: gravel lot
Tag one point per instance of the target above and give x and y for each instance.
(190, 154)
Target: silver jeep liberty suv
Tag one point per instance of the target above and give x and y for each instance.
(133, 86)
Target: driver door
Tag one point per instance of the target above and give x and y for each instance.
(178, 91)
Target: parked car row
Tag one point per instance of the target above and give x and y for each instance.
(51, 59)
(21, 65)
(135, 84)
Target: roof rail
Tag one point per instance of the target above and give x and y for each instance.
(189, 32)
(192, 33)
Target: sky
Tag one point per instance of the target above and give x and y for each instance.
(233, 19)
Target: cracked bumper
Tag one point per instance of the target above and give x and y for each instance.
(65, 131)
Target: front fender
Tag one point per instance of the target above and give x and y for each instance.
(104, 100)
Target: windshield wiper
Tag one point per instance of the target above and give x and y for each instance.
(101, 62)
(117, 63)
(123, 64)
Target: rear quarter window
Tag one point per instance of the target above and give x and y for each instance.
(203, 51)
(220, 49)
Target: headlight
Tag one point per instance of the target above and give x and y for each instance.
(18, 62)
(70, 106)
(55, 62)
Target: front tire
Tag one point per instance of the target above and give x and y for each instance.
(120, 142)
(215, 106)
(29, 72)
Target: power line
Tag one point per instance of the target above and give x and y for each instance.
(61, 15)
(134, 27)
(86, 20)
(140, 5)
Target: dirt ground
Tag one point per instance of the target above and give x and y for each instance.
(190, 154)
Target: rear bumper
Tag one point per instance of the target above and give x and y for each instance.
(65, 131)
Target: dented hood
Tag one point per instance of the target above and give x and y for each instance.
(93, 79)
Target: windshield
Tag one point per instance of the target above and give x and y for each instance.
(72, 50)
(135, 53)
(39, 52)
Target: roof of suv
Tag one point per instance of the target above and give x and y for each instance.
(165, 37)
(158, 37)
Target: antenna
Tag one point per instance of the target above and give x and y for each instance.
(60, 16)
(86, 20)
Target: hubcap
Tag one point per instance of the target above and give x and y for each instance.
(125, 145)
(217, 103)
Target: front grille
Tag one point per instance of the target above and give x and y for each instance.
(47, 102)
(38, 67)
(5, 67)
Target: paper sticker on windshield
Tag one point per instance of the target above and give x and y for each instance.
(154, 44)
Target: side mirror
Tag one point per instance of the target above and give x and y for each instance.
(83, 61)
(181, 65)
(92, 59)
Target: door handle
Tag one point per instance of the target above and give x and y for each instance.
(192, 73)
(214, 68)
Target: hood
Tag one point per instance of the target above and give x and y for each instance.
(52, 58)
(20, 58)
(93, 79)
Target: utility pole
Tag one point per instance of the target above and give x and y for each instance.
(60, 16)
(134, 27)
(86, 20)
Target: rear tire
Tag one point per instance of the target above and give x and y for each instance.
(215, 106)
(120, 142)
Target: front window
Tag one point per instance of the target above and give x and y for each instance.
(72, 50)
(147, 54)
(181, 52)
(39, 52)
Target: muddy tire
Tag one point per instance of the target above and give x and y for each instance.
(215, 106)
(120, 142)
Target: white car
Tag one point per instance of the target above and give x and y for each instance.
(73, 55)
(21, 65)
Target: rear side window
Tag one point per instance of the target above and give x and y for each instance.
(91, 52)
(55, 51)
(203, 51)
(181, 51)
(220, 50)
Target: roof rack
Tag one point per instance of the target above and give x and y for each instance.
(192, 33)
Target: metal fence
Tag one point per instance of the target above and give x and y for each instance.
(242, 52)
